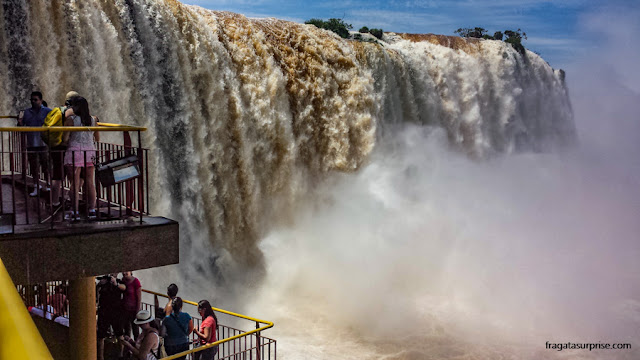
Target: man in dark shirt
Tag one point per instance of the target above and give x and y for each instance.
(109, 298)
(36, 148)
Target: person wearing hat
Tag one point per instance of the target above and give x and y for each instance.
(148, 343)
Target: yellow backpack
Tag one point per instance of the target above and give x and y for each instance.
(54, 118)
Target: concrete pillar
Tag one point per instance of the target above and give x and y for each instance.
(82, 319)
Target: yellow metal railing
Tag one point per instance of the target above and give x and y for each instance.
(101, 127)
(19, 337)
(268, 324)
(130, 196)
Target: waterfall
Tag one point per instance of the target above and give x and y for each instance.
(247, 116)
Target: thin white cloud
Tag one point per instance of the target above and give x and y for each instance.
(510, 5)
(431, 4)
(266, 16)
(401, 21)
(614, 31)
(212, 4)
(551, 42)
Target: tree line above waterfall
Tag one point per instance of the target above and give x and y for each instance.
(341, 28)
(512, 37)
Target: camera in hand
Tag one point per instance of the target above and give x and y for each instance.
(105, 277)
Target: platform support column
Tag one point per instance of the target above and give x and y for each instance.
(82, 319)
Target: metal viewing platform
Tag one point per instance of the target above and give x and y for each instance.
(40, 242)
(58, 232)
(55, 226)
(232, 341)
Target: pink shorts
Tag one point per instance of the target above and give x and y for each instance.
(77, 157)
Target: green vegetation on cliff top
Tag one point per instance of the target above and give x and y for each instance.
(512, 37)
(341, 28)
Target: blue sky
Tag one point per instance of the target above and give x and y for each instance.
(556, 29)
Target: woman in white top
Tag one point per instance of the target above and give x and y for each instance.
(81, 152)
(146, 347)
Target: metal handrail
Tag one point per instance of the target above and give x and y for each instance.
(269, 324)
(101, 127)
(17, 153)
(100, 123)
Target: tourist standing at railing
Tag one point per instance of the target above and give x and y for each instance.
(147, 345)
(109, 298)
(81, 153)
(59, 301)
(58, 150)
(207, 333)
(131, 302)
(172, 292)
(42, 309)
(36, 148)
(179, 325)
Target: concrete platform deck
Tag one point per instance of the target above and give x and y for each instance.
(67, 250)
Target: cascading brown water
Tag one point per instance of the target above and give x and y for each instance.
(247, 116)
(327, 166)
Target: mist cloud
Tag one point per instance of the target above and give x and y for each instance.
(529, 246)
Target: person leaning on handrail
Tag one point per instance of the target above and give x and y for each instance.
(207, 333)
(179, 325)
